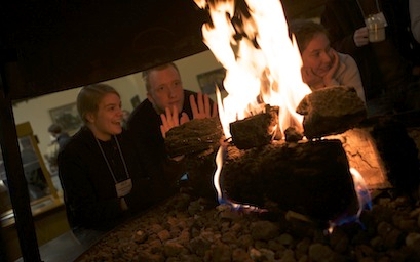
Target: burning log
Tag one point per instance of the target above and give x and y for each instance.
(331, 111)
(400, 155)
(311, 178)
(254, 131)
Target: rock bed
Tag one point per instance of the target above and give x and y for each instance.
(193, 229)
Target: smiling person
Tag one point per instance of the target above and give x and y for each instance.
(102, 182)
(168, 101)
(322, 65)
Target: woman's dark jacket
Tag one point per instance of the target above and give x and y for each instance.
(89, 189)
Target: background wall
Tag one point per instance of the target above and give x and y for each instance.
(36, 110)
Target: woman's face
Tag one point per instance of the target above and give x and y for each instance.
(166, 89)
(107, 121)
(318, 55)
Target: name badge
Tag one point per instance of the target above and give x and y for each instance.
(123, 187)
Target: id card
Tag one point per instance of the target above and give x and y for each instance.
(123, 187)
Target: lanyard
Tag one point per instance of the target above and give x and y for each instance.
(361, 9)
(107, 162)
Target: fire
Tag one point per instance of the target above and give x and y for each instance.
(263, 66)
(262, 63)
(364, 202)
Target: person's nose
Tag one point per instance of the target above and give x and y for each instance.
(172, 92)
(120, 112)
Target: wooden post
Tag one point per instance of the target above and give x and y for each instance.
(18, 188)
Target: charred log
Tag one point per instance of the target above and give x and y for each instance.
(254, 131)
(331, 111)
(193, 137)
(201, 169)
(310, 178)
(400, 156)
(291, 134)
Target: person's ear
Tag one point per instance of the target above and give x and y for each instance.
(90, 118)
(150, 97)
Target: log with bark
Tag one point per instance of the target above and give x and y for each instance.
(331, 111)
(311, 178)
(194, 137)
(199, 141)
(254, 131)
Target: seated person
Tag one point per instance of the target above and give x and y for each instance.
(59, 139)
(386, 67)
(322, 65)
(102, 181)
(164, 92)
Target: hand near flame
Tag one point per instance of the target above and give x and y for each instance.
(328, 79)
(311, 79)
(202, 109)
(171, 120)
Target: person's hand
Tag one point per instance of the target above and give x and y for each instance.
(311, 79)
(327, 79)
(171, 120)
(202, 108)
(361, 37)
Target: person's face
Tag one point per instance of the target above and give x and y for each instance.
(166, 89)
(107, 121)
(317, 55)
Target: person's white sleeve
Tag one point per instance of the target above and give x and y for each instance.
(350, 76)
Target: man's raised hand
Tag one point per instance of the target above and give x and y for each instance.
(201, 108)
(171, 120)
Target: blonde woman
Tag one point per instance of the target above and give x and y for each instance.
(102, 181)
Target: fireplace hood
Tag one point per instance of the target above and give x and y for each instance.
(56, 45)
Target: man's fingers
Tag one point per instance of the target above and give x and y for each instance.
(215, 110)
(164, 120)
(200, 103)
(169, 120)
(163, 131)
(201, 107)
(184, 118)
(206, 106)
(175, 117)
(168, 114)
(193, 106)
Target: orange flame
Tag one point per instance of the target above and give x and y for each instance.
(262, 66)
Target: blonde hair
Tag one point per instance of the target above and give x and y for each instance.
(89, 98)
(146, 74)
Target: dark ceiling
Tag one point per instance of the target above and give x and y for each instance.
(49, 46)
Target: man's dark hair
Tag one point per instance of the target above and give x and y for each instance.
(55, 129)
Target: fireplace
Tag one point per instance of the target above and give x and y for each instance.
(190, 227)
(318, 182)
